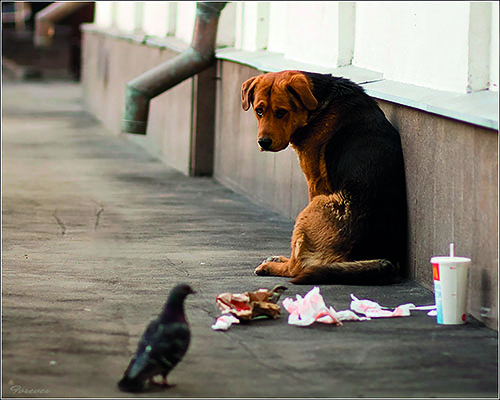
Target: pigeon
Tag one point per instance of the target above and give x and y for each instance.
(162, 345)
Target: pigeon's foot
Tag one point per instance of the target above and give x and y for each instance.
(163, 383)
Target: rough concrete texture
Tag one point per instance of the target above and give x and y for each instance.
(95, 234)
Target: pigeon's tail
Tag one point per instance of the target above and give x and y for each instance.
(127, 384)
(370, 272)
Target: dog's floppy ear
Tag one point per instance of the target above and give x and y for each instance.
(247, 92)
(300, 89)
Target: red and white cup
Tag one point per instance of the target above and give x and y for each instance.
(450, 275)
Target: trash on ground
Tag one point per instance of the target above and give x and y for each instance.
(312, 308)
(248, 306)
(224, 322)
(374, 310)
(303, 311)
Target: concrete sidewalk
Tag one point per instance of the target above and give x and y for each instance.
(95, 234)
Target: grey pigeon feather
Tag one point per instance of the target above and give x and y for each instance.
(162, 345)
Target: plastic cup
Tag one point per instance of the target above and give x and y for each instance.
(450, 287)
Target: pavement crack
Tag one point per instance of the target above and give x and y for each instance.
(97, 218)
(268, 365)
(60, 223)
(210, 312)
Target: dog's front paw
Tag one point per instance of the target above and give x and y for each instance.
(280, 259)
(262, 270)
(274, 265)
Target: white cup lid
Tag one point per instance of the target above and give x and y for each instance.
(449, 260)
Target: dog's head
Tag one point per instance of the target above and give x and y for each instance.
(281, 102)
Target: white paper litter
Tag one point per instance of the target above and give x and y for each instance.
(306, 310)
(224, 322)
(374, 310)
(348, 315)
(311, 308)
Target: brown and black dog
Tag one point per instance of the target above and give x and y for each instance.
(353, 230)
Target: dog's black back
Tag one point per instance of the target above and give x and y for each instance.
(364, 161)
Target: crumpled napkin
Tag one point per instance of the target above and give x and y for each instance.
(312, 308)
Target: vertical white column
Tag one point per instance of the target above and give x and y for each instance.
(103, 15)
(479, 46)
(493, 78)
(252, 25)
(125, 16)
(346, 24)
(278, 23)
(156, 18)
(227, 25)
(172, 18)
(186, 15)
(139, 17)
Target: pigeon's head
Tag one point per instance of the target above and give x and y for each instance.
(181, 291)
(175, 303)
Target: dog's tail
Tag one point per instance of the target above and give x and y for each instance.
(370, 272)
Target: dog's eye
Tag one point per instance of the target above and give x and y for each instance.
(259, 111)
(280, 113)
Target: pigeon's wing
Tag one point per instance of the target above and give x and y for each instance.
(170, 345)
(141, 363)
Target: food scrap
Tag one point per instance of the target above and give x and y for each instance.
(247, 306)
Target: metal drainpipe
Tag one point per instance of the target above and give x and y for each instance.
(200, 55)
(46, 18)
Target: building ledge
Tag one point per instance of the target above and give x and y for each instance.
(478, 108)
(169, 42)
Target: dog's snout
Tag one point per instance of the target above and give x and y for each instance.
(265, 143)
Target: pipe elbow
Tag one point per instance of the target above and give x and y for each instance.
(136, 111)
(199, 56)
(44, 32)
(210, 9)
(46, 18)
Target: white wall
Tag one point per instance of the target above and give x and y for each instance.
(126, 16)
(423, 43)
(156, 18)
(450, 46)
(104, 14)
(252, 25)
(308, 23)
(315, 32)
(226, 31)
(186, 14)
